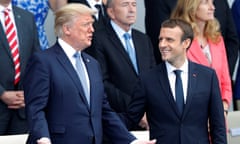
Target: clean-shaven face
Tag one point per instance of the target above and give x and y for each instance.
(172, 48)
(123, 12)
(205, 10)
(80, 32)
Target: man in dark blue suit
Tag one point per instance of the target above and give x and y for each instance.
(159, 10)
(66, 105)
(174, 118)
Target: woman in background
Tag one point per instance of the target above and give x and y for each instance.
(208, 46)
(40, 9)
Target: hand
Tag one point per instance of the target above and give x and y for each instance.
(144, 141)
(144, 123)
(44, 140)
(14, 99)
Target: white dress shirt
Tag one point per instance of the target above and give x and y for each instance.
(172, 78)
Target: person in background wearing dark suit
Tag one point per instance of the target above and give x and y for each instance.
(18, 41)
(179, 96)
(159, 10)
(120, 66)
(64, 92)
(236, 18)
(101, 17)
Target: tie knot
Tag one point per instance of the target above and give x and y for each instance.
(77, 55)
(127, 36)
(6, 11)
(177, 72)
(98, 6)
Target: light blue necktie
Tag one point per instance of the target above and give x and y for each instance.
(131, 51)
(81, 75)
(179, 91)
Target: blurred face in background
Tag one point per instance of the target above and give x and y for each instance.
(205, 10)
(123, 12)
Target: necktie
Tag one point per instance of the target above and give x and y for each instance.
(179, 91)
(81, 75)
(13, 44)
(131, 51)
(100, 11)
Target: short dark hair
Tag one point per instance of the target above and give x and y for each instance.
(183, 25)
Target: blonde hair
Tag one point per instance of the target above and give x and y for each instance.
(68, 13)
(186, 10)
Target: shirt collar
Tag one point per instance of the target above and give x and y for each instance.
(69, 50)
(2, 8)
(171, 68)
(120, 32)
(92, 3)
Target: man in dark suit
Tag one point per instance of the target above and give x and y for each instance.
(175, 118)
(12, 117)
(159, 10)
(120, 73)
(65, 99)
(100, 17)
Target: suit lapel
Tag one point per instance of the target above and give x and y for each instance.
(196, 52)
(4, 41)
(19, 27)
(167, 92)
(92, 78)
(192, 81)
(64, 61)
(22, 39)
(118, 45)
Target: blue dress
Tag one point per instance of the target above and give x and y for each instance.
(40, 10)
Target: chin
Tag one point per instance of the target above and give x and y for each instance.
(164, 58)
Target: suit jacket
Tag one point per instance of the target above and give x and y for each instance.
(28, 44)
(57, 108)
(98, 24)
(236, 15)
(159, 10)
(118, 72)
(154, 95)
(219, 64)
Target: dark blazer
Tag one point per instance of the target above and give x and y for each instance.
(204, 103)
(159, 10)
(118, 72)
(28, 44)
(57, 108)
(98, 24)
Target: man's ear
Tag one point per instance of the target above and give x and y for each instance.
(187, 43)
(66, 29)
(110, 13)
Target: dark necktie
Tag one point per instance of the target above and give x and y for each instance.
(179, 91)
(100, 11)
(131, 51)
(81, 75)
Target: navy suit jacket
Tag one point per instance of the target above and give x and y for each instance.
(28, 44)
(57, 108)
(153, 95)
(118, 71)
